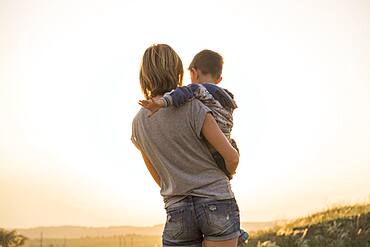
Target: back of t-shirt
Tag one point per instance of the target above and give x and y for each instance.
(172, 140)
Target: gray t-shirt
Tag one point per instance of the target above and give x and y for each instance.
(172, 141)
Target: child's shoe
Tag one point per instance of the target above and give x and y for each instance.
(243, 238)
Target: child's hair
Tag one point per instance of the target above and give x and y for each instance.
(161, 70)
(208, 62)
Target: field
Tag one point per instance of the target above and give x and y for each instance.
(341, 226)
(116, 241)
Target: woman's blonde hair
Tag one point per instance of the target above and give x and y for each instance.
(161, 70)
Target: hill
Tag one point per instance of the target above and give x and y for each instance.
(340, 226)
(62, 232)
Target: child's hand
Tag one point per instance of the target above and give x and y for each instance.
(152, 105)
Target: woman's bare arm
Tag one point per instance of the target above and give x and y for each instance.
(151, 169)
(217, 139)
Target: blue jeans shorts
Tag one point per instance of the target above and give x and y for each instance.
(194, 219)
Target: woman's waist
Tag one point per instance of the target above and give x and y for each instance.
(194, 200)
(219, 190)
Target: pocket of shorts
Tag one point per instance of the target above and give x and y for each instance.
(221, 215)
(174, 226)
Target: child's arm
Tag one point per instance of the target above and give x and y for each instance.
(180, 95)
(177, 97)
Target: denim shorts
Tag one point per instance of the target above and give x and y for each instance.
(194, 219)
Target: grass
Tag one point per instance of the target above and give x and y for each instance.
(335, 227)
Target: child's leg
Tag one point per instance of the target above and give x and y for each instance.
(233, 143)
(221, 163)
(220, 160)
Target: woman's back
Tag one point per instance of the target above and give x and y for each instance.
(172, 141)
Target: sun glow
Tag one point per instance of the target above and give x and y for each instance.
(69, 90)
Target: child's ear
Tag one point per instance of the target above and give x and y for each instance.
(193, 75)
(219, 80)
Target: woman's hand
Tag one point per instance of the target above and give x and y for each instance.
(153, 105)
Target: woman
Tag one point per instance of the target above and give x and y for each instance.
(200, 205)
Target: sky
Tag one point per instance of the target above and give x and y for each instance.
(69, 86)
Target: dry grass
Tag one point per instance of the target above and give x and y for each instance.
(337, 226)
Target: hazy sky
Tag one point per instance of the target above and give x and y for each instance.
(69, 90)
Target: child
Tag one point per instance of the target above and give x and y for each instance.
(205, 73)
